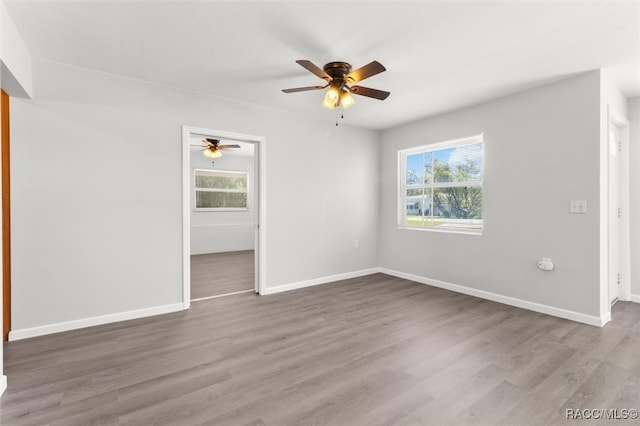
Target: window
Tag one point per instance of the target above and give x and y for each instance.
(441, 186)
(216, 190)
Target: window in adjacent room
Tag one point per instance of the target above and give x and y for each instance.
(441, 186)
(220, 190)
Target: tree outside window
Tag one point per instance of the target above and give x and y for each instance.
(215, 190)
(442, 185)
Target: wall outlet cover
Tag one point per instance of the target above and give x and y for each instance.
(578, 206)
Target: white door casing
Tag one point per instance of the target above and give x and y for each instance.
(260, 217)
(615, 213)
(619, 246)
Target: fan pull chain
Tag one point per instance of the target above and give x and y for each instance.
(341, 116)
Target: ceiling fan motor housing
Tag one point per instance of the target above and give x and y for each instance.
(338, 71)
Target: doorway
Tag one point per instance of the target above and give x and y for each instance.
(619, 241)
(223, 214)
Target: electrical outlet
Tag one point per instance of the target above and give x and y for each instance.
(578, 206)
(356, 244)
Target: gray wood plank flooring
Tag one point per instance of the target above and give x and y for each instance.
(374, 350)
(221, 273)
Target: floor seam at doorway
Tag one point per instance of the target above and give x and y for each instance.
(222, 295)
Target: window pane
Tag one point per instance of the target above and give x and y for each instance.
(414, 207)
(221, 182)
(415, 169)
(458, 164)
(208, 199)
(419, 208)
(419, 168)
(458, 207)
(235, 199)
(204, 181)
(428, 167)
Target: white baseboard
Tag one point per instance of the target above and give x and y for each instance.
(158, 310)
(25, 333)
(536, 307)
(318, 281)
(3, 384)
(635, 298)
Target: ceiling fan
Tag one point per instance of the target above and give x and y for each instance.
(339, 76)
(213, 149)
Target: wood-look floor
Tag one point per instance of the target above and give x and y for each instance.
(375, 350)
(221, 273)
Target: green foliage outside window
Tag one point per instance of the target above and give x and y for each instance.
(220, 190)
(443, 187)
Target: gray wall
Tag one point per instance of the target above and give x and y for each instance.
(96, 186)
(97, 195)
(634, 170)
(223, 231)
(541, 150)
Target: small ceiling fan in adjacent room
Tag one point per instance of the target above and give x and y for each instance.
(213, 148)
(339, 77)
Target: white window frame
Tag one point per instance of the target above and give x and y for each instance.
(402, 185)
(220, 209)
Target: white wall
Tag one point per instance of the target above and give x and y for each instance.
(15, 60)
(541, 150)
(634, 169)
(223, 231)
(96, 234)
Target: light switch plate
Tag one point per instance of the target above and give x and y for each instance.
(578, 206)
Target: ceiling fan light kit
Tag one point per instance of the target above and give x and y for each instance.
(212, 153)
(338, 75)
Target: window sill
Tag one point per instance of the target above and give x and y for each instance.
(221, 209)
(443, 230)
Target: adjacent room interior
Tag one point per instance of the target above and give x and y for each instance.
(223, 218)
(277, 213)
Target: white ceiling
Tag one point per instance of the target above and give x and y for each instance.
(439, 55)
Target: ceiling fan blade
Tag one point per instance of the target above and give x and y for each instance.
(303, 89)
(313, 68)
(371, 69)
(228, 146)
(371, 93)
